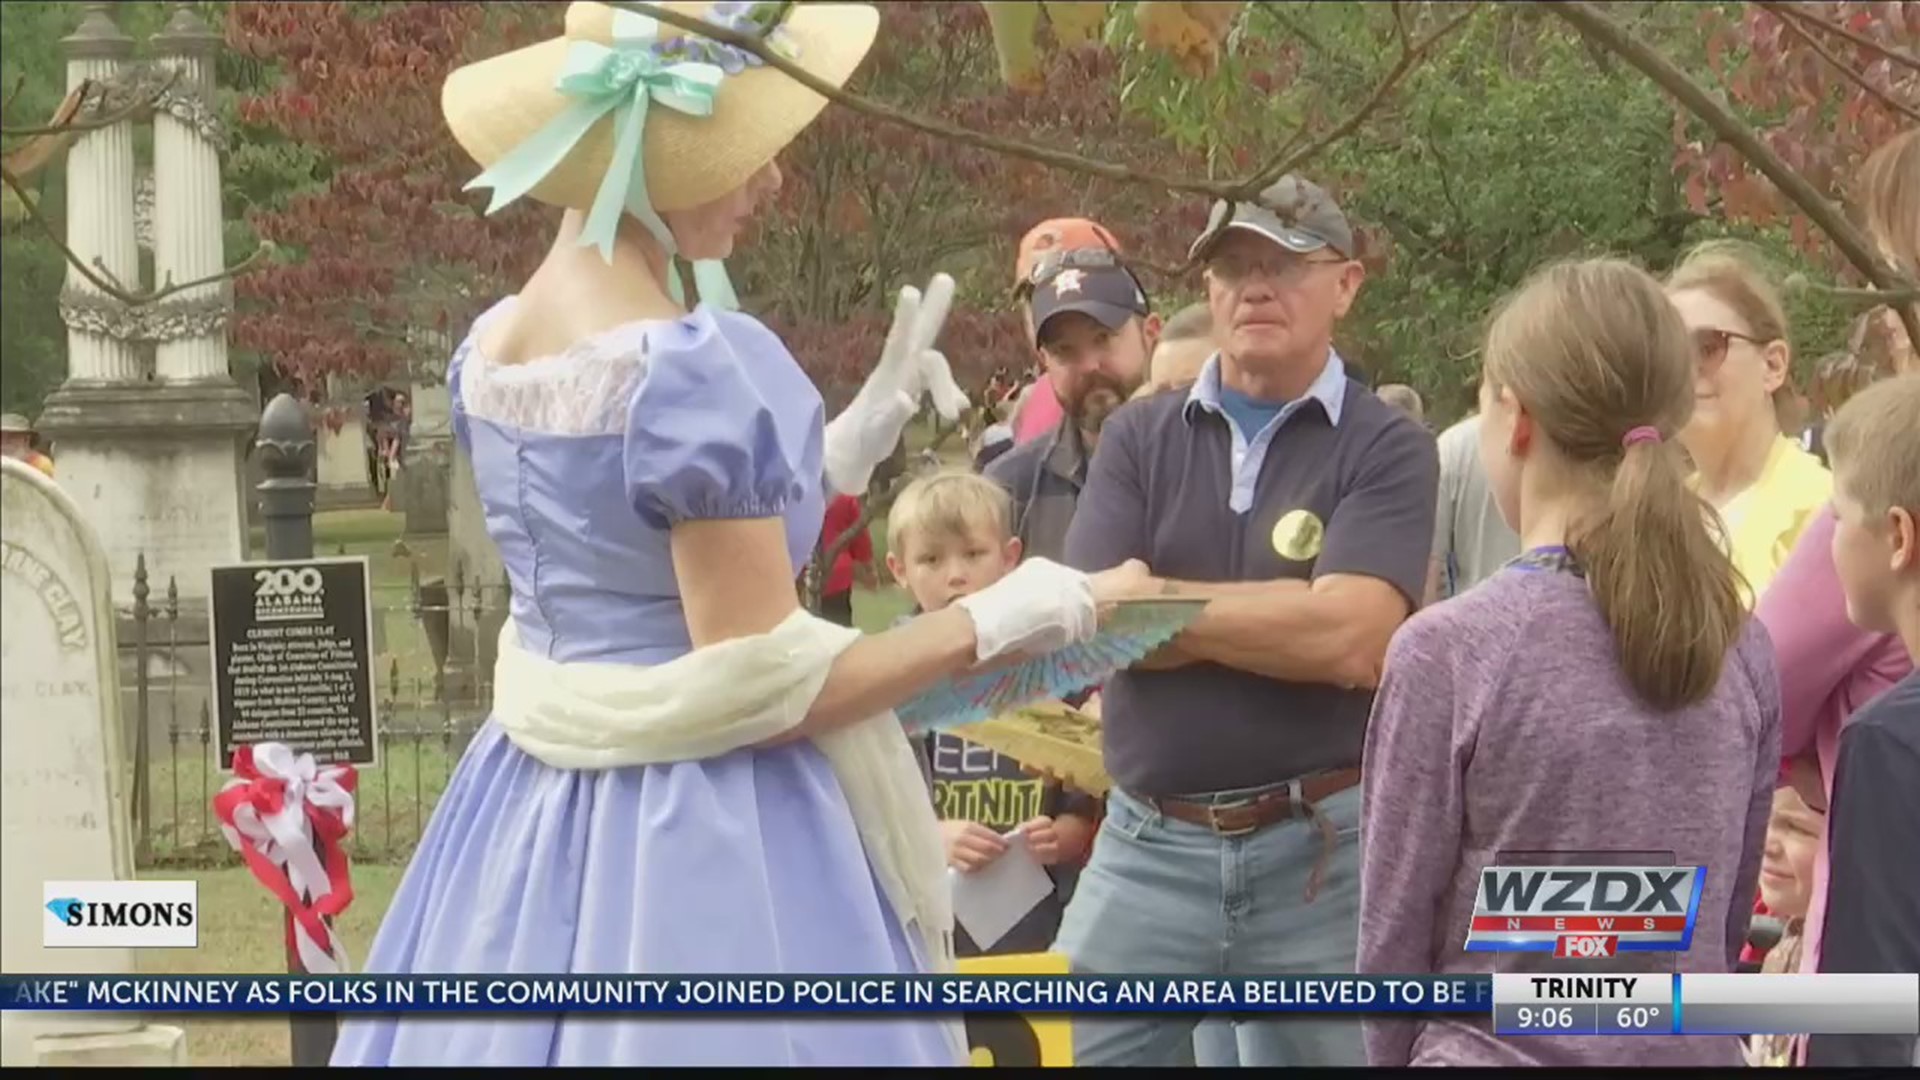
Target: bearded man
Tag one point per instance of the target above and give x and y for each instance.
(1095, 332)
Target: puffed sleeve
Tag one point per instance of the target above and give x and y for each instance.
(723, 424)
(456, 369)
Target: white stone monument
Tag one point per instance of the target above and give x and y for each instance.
(63, 807)
(150, 430)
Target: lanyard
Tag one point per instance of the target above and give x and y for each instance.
(1553, 558)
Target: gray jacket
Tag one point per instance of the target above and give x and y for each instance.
(1044, 476)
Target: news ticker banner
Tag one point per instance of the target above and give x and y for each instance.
(1658, 1004)
(743, 993)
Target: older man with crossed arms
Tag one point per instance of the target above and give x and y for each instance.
(1300, 507)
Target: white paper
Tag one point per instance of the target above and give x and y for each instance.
(992, 900)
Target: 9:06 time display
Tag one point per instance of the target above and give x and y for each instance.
(1552, 1017)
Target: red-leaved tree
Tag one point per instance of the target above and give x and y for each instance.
(1828, 81)
(386, 255)
(870, 207)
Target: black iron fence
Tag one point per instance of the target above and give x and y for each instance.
(434, 641)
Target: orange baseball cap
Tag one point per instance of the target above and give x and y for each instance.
(1058, 234)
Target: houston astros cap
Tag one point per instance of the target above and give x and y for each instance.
(1092, 283)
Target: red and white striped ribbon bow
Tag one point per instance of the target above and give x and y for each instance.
(286, 816)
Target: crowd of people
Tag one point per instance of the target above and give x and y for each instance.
(1619, 609)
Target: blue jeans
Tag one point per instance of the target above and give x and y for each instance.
(1216, 1044)
(1163, 897)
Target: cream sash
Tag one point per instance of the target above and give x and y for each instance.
(723, 697)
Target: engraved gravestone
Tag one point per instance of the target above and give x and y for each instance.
(63, 804)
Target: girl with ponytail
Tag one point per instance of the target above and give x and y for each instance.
(1604, 693)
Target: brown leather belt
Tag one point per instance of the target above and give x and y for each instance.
(1245, 816)
(1256, 812)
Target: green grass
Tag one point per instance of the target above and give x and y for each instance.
(242, 933)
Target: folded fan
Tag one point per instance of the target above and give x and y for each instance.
(1132, 630)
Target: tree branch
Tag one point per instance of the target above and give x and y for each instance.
(1410, 57)
(104, 281)
(1273, 11)
(1856, 78)
(1904, 59)
(76, 100)
(1594, 24)
(1860, 297)
(46, 144)
(1044, 155)
(13, 95)
(1241, 191)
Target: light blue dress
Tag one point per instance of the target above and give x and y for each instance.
(746, 863)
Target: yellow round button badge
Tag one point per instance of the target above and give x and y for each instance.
(1297, 535)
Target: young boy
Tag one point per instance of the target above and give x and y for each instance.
(950, 534)
(1873, 889)
(1795, 830)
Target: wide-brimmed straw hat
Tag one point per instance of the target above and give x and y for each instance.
(495, 105)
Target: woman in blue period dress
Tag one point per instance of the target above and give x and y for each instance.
(682, 770)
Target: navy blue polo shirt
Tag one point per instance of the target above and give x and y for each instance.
(1176, 482)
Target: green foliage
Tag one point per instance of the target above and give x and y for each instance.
(33, 341)
(1513, 145)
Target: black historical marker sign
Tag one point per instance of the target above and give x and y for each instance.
(293, 658)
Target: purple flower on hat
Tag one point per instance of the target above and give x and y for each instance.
(746, 17)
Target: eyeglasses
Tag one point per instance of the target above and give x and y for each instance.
(1285, 271)
(1710, 346)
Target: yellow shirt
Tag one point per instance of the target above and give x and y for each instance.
(1766, 520)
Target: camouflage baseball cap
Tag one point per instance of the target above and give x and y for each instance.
(1316, 220)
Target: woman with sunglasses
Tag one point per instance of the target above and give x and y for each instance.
(1765, 487)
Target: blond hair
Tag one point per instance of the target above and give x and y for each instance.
(1873, 443)
(1838, 376)
(1889, 197)
(1738, 276)
(949, 502)
(1594, 350)
(1402, 397)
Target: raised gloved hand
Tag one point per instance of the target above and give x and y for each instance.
(867, 431)
(1040, 607)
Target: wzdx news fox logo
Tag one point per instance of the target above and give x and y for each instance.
(121, 915)
(1585, 912)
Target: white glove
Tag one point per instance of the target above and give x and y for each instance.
(867, 431)
(1040, 607)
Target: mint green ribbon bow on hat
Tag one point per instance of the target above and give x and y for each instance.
(625, 79)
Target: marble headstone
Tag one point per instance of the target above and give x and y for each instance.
(63, 803)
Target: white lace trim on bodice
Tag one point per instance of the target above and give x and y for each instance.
(585, 390)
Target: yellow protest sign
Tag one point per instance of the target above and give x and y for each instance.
(1015, 1040)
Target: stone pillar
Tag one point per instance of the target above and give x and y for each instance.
(100, 178)
(155, 464)
(188, 239)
